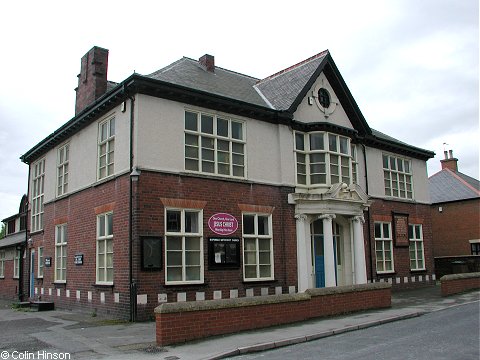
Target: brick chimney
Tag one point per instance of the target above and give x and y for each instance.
(449, 162)
(92, 80)
(207, 62)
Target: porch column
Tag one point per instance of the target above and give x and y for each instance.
(328, 250)
(359, 250)
(302, 260)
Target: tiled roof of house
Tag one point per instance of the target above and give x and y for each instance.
(447, 185)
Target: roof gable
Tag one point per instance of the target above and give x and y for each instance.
(447, 185)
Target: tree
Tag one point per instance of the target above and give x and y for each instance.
(2, 231)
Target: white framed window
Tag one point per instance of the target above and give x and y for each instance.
(397, 175)
(40, 262)
(323, 158)
(183, 246)
(214, 144)
(16, 264)
(61, 253)
(63, 156)
(106, 148)
(2, 263)
(38, 178)
(384, 247)
(104, 265)
(353, 151)
(257, 247)
(417, 255)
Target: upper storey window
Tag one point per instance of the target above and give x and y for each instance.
(214, 144)
(38, 178)
(106, 148)
(397, 175)
(323, 159)
(62, 169)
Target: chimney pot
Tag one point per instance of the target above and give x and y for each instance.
(451, 154)
(446, 154)
(449, 162)
(207, 62)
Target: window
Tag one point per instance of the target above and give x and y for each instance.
(475, 248)
(184, 246)
(105, 248)
(40, 262)
(2, 263)
(383, 247)
(353, 151)
(61, 253)
(38, 175)
(214, 144)
(324, 98)
(417, 257)
(257, 247)
(16, 264)
(106, 148)
(323, 159)
(397, 175)
(62, 169)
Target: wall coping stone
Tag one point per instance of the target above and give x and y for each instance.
(187, 306)
(460, 276)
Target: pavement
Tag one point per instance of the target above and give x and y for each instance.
(86, 337)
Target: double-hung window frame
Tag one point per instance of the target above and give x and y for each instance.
(381, 248)
(416, 247)
(63, 159)
(61, 243)
(397, 176)
(16, 263)
(38, 183)
(255, 251)
(186, 251)
(106, 148)
(215, 147)
(325, 156)
(2, 263)
(40, 263)
(104, 249)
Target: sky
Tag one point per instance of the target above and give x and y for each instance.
(412, 66)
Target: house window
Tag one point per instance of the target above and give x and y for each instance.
(214, 144)
(257, 247)
(106, 148)
(384, 247)
(40, 262)
(61, 253)
(417, 257)
(323, 159)
(16, 264)
(475, 248)
(353, 151)
(184, 246)
(62, 169)
(105, 248)
(397, 175)
(38, 175)
(2, 263)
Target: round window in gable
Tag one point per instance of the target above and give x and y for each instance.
(324, 97)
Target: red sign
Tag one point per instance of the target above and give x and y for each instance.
(223, 224)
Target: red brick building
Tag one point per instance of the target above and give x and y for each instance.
(196, 182)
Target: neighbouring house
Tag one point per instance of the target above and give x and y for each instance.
(197, 182)
(455, 218)
(13, 279)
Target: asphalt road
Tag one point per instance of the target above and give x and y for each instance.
(448, 334)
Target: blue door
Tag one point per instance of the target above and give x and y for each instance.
(319, 261)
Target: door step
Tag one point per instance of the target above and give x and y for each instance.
(42, 305)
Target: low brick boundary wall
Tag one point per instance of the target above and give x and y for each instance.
(185, 321)
(457, 283)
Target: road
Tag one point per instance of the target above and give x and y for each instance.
(452, 333)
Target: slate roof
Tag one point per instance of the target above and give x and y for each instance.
(447, 185)
(12, 239)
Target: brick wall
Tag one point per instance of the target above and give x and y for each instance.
(8, 284)
(403, 276)
(457, 283)
(182, 322)
(454, 226)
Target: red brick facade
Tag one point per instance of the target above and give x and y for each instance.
(453, 227)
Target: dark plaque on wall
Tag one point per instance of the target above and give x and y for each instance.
(400, 229)
(48, 261)
(78, 259)
(223, 253)
(151, 252)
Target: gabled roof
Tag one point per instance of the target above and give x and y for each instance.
(447, 185)
(274, 98)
